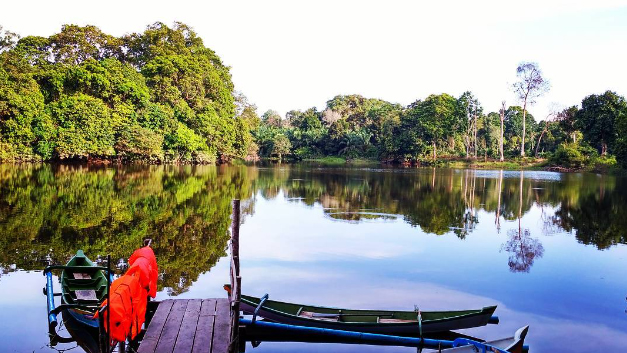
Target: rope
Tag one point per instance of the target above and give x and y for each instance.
(421, 345)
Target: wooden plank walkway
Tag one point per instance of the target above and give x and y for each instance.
(189, 325)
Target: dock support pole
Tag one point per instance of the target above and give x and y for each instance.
(236, 279)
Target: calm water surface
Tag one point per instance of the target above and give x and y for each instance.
(547, 248)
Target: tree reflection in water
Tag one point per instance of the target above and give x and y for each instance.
(48, 212)
(523, 249)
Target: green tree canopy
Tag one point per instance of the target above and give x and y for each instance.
(597, 119)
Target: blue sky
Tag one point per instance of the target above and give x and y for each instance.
(298, 54)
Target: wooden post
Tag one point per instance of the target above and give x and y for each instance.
(235, 234)
(236, 279)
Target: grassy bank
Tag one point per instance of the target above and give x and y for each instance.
(339, 161)
(515, 164)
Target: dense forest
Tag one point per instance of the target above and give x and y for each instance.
(161, 96)
(444, 126)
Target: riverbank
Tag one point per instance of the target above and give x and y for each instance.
(598, 165)
(450, 162)
(332, 161)
(601, 166)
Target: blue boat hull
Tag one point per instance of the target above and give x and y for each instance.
(83, 329)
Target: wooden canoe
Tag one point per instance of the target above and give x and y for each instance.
(85, 286)
(400, 323)
(514, 344)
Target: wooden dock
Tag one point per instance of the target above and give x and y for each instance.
(199, 325)
(189, 325)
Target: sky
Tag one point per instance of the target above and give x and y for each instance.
(288, 55)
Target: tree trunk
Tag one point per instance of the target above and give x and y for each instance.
(522, 173)
(522, 143)
(434, 151)
(475, 131)
(603, 148)
(546, 127)
(498, 207)
(502, 132)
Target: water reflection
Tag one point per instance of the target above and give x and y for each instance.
(47, 212)
(523, 249)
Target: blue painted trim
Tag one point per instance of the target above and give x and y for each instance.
(373, 338)
(52, 317)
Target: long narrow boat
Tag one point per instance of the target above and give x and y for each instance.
(400, 323)
(83, 289)
(512, 344)
(263, 331)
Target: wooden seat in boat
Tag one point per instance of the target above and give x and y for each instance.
(393, 321)
(311, 315)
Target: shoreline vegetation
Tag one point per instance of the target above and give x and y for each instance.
(163, 97)
(599, 166)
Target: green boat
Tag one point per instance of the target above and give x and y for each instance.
(83, 289)
(399, 323)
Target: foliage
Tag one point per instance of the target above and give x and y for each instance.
(356, 127)
(571, 155)
(280, 146)
(160, 95)
(530, 85)
(48, 212)
(598, 117)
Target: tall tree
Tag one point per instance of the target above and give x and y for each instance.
(272, 118)
(530, 85)
(567, 120)
(597, 119)
(502, 118)
(434, 116)
(470, 110)
(545, 129)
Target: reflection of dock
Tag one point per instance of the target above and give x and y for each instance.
(199, 325)
(189, 325)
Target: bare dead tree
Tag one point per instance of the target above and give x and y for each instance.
(330, 116)
(475, 130)
(502, 116)
(530, 86)
(547, 122)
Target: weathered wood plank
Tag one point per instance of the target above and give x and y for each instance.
(222, 327)
(235, 223)
(185, 339)
(172, 326)
(204, 329)
(235, 303)
(153, 332)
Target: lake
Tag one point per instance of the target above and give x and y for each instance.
(549, 249)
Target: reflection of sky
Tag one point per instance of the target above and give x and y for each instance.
(23, 324)
(574, 293)
(573, 297)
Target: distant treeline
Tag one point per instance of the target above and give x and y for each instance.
(442, 125)
(162, 96)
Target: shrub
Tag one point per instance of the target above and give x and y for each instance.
(571, 155)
